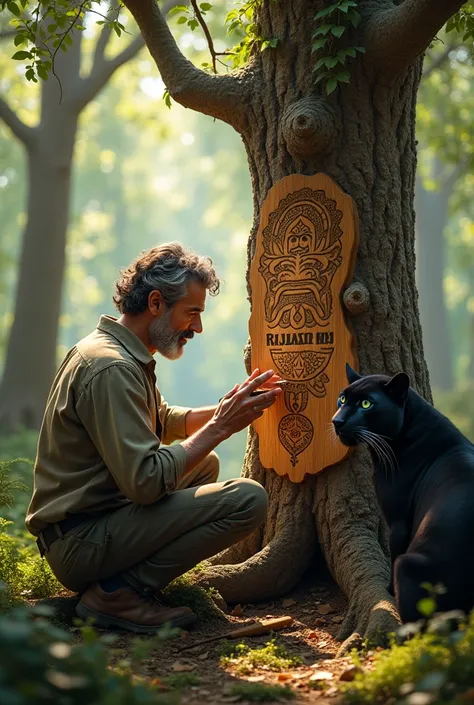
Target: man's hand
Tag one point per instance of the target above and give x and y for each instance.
(237, 409)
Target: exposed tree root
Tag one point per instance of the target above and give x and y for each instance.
(271, 572)
(277, 567)
(354, 541)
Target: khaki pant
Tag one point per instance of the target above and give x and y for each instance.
(150, 545)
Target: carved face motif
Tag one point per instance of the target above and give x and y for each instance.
(299, 237)
(301, 255)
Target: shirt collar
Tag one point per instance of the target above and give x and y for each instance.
(110, 325)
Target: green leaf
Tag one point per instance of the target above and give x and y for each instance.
(42, 73)
(14, 9)
(182, 19)
(319, 43)
(343, 77)
(332, 62)
(192, 24)
(326, 11)
(19, 39)
(117, 30)
(205, 6)
(426, 606)
(274, 42)
(321, 62)
(331, 86)
(324, 29)
(338, 31)
(22, 55)
(178, 8)
(361, 50)
(354, 18)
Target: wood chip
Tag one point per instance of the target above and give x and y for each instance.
(319, 622)
(289, 602)
(350, 673)
(182, 667)
(325, 609)
(338, 619)
(321, 676)
(237, 611)
(255, 679)
(203, 656)
(284, 676)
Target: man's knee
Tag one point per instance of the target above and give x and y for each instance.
(213, 466)
(253, 500)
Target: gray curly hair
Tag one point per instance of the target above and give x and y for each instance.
(168, 268)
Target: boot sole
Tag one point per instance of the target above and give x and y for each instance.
(104, 621)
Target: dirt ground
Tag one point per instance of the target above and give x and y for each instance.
(317, 609)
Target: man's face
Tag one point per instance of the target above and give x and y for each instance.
(169, 332)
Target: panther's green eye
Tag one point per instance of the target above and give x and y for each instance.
(342, 399)
(366, 404)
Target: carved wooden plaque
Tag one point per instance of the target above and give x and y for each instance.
(305, 255)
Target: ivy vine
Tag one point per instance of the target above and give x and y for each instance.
(332, 23)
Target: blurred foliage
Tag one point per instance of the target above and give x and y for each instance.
(434, 666)
(40, 664)
(23, 573)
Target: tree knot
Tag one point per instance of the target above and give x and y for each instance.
(308, 128)
(356, 298)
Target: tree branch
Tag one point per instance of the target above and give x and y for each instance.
(207, 33)
(103, 69)
(396, 34)
(220, 96)
(21, 131)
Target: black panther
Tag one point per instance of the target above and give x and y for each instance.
(424, 481)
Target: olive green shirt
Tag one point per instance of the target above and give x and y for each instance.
(100, 441)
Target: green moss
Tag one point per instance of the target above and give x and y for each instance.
(271, 656)
(261, 693)
(181, 592)
(180, 681)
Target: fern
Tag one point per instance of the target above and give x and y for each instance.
(9, 485)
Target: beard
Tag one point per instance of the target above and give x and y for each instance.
(165, 339)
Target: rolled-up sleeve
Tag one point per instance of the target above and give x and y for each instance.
(114, 411)
(173, 421)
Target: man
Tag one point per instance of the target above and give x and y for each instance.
(117, 514)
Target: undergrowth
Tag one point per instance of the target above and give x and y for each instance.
(243, 658)
(436, 666)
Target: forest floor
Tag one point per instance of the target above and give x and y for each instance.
(300, 660)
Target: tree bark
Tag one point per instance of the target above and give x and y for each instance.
(363, 136)
(431, 220)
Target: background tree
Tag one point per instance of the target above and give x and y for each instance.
(49, 147)
(444, 129)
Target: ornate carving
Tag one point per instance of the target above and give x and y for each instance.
(302, 252)
(301, 365)
(295, 432)
(304, 256)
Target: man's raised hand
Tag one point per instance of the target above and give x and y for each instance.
(237, 409)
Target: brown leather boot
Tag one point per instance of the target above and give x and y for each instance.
(126, 609)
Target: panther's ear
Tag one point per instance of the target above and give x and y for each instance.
(397, 387)
(352, 375)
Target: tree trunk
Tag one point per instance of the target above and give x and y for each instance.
(431, 219)
(31, 353)
(363, 137)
